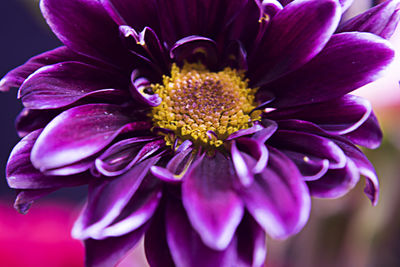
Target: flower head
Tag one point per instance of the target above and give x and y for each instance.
(200, 124)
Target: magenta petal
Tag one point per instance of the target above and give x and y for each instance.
(108, 252)
(64, 83)
(213, 208)
(85, 27)
(278, 199)
(136, 13)
(107, 199)
(335, 183)
(194, 48)
(78, 133)
(369, 134)
(30, 120)
(22, 175)
(186, 246)
(310, 145)
(364, 167)
(18, 75)
(155, 242)
(380, 20)
(338, 116)
(25, 198)
(138, 210)
(347, 62)
(121, 156)
(252, 248)
(140, 87)
(293, 38)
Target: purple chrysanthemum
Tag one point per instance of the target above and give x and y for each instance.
(203, 124)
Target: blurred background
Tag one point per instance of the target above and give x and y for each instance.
(345, 232)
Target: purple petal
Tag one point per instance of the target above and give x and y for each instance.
(186, 246)
(140, 87)
(194, 49)
(120, 157)
(311, 168)
(25, 198)
(255, 128)
(107, 199)
(64, 83)
(235, 56)
(78, 133)
(364, 167)
(293, 38)
(212, 206)
(155, 242)
(137, 211)
(252, 248)
(278, 199)
(108, 252)
(136, 13)
(348, 61)
(22, 175)
(369, 134)
(380, 20)
(335, 183)
(85, 27)
(242, 167)
(177, 166)
(29, 120)
(257, 150)
(269, 129)
(338, 116)
(18, 75)
(310, 145)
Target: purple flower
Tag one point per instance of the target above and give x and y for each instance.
(201, 124)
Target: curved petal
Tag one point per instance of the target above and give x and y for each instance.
(335, 183)
(78, 133)
(380, 20)
(338, 116)
(155, 242)
(252, 248)
(310, 145)
(25, 198)
(213, 208)
(364, 167)
(120, 157)
(369, 134)
(29, 120)
(193, 49)
(278, 199)
(177, 166)
(348, 61)
(21, 174)
(293, 39)
(141, 90)
(186, 246)
(85, 27)
(18, 75)
(107, 199)
(64, 83)
(135, 13)
(108, 252)
(137, 211)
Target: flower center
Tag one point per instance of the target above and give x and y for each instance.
(202, 106)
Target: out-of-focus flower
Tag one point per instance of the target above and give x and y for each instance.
(42, 238)
(203, 124)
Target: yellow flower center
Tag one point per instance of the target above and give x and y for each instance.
(202, 106)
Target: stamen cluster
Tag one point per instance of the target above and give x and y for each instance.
(202, 106)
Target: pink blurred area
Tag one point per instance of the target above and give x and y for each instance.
(385, 92)
(40, 238)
